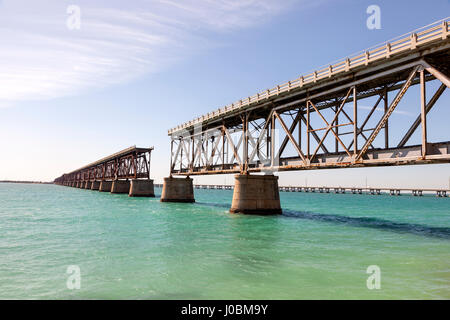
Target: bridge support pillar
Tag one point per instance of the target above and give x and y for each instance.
(120, 186)
(256, 194)
(95, 185)
(177, 190)
(105, 186)
(87, 185)
(142, 188)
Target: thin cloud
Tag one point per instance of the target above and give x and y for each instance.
(379, 109)
(40, 58)
(6, 104)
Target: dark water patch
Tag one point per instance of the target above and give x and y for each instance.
(374, 223)
(364, 222)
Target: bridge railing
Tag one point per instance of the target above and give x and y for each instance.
(410, 41)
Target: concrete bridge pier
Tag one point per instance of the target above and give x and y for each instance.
(141, 188)
(95, 185)
(120, 186)
(105, 186)
(177, 190)
(256, 194)
(87, 185)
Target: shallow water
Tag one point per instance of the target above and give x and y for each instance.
(139, 248)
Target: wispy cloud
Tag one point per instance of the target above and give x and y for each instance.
(380, 109)
(40, 58)
(6, 104)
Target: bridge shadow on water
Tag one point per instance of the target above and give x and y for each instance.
(363, 222)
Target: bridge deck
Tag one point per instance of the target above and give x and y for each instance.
(409, 155)
(123, 153)
(325, 105)
(388, 55)
(130, 163)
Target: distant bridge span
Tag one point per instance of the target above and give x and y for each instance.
(318, 121)
(114, 172)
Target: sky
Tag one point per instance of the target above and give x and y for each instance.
(75, 90)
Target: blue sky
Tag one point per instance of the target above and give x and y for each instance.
(135, 69)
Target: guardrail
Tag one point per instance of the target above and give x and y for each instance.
(412, 40)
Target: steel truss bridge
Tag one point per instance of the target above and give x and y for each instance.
(322, 120)
(130, 163)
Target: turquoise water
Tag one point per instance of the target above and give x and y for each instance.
(139, 248)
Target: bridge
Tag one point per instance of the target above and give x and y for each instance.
(319, 121)
(126, 171)
(393, 191)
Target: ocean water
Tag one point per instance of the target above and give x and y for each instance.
(139, 248)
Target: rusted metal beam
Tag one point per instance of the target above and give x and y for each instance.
(291, 138)
(291, 130)
(230, 142)
(130, 163)
(439, 75)
(416, 123)
(355, 122)
(391, 108)
(386, 126)
(314, 134)
(423, 112)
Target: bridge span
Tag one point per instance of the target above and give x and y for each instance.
(126, 171)
(393, 191)
(338, 116)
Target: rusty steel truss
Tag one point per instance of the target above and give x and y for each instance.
(130, 163)
(322, 120)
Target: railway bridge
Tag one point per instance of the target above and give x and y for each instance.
(338, 116)
(126, 171)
